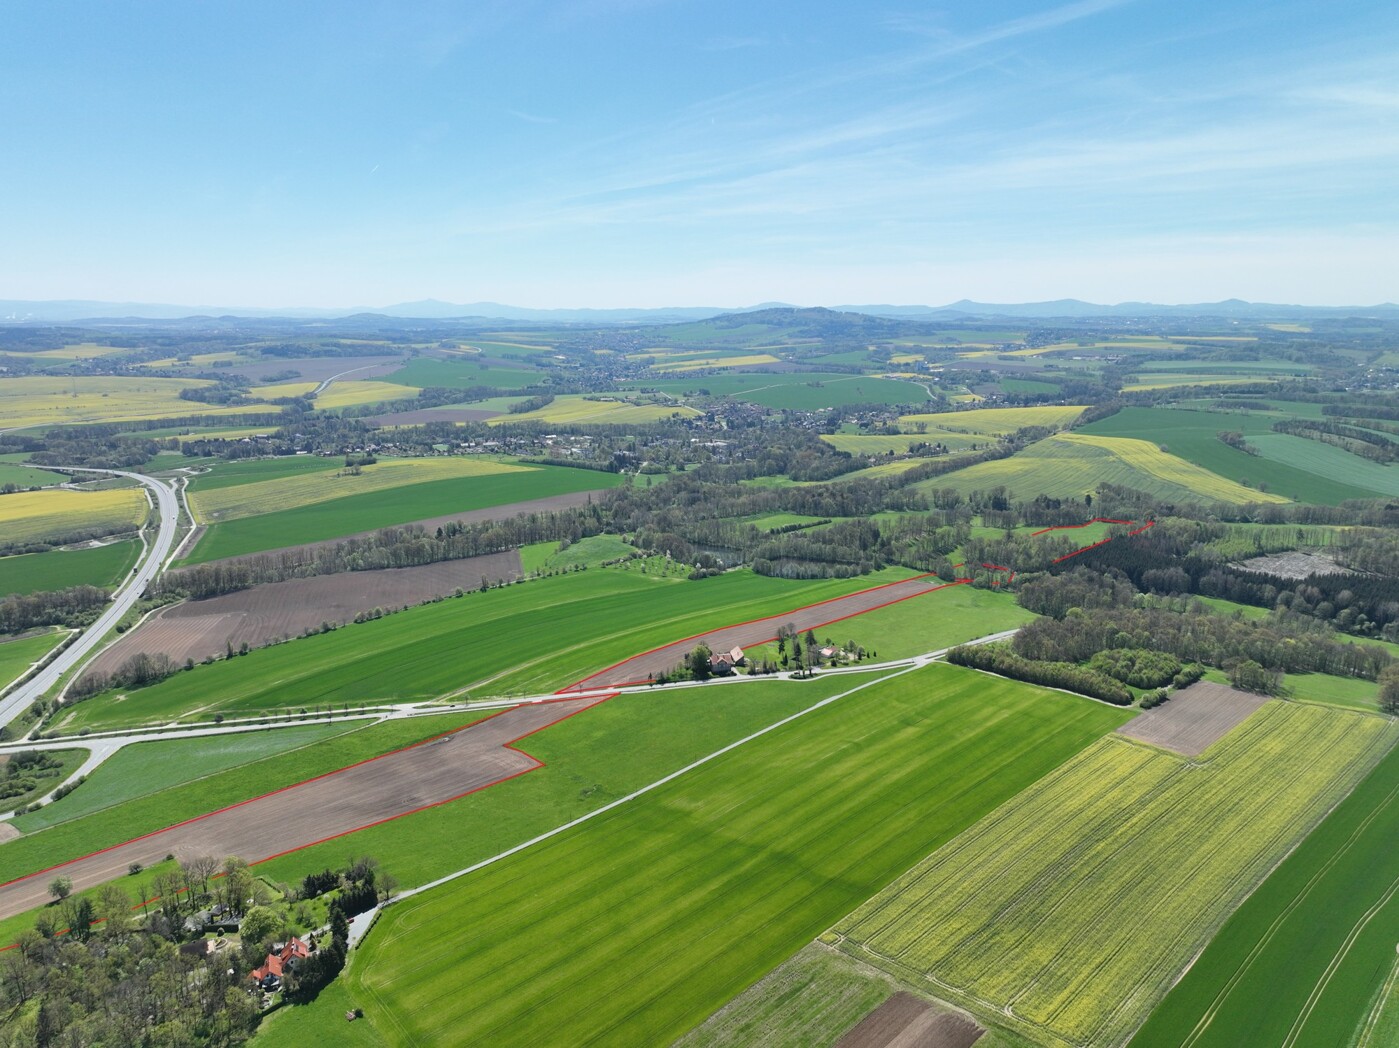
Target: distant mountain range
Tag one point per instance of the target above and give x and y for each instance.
(68, 311)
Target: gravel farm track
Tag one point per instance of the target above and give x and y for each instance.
(641, 668)
(340, 802)
(199, 629)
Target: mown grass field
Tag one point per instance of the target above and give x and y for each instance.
(149, 767)
(333, 481)
(58, 569)
(462, 373)
(989, 421)
(380, 509)
(530, 638)
(1268, 976)
(579, 409)
(680, 899)
(30, 401)
(590, 552)
(931, 621)
(1192, 435)
(53, 514)
(1327, 460)
(16, 656)
(1070, 465)
(29, 476)
(803, 391)
(1070, 911)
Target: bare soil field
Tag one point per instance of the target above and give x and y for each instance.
(422, 416)
(315, 369)
(281, 610)
(396, 784)
(1195, 718)
(549, 504)
(641, 668)
(1294, 564)
(906, 1021)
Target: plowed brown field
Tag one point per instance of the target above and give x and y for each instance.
(201, 628)
(387, 787)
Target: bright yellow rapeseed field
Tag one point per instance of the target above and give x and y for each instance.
(353, 394)
(47, 401)
(718, 362)
(1146, 457)
(55, 514)
(1071, 910)
(994, 421)
(269, 496)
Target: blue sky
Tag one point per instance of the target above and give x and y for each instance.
(646, 153)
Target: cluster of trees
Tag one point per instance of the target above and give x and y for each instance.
(1236, 440)
(23, 771)
(1000, 659)
(1291, 646)
(531, 404)
(76, 606)
(139, 670)
(1357, 441)
(1139, 667)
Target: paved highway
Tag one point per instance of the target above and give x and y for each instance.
(168, 511)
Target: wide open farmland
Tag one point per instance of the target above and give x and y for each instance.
(530, 638)
(678, 900)
(1309, 953)
(254, 617)
(1070, 911)
(427, 501)
(1071, 465)
(55, 514)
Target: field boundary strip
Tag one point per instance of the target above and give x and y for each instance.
(579, 686)
(270, 793)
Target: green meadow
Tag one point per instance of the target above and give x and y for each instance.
(677, 901)
(59, 569)
(380, 509)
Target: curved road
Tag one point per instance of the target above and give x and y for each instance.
(168, 510)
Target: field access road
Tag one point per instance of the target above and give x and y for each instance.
(167, 511)
(434, 772)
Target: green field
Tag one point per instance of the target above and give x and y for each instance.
(588, 552)
(1327, 460)
(798, 391)
(29, 476)
(150, 767)
(680, 899)
(68, 762)
(1192, 436)
(1070, 465)
(16, 656)
(59, 569)
(237, 472)
(930, 622)
(464, 373)
(380, 509)
(532, 638)
(1069, 912)
(1306, 956)
(335, 483)
(1335, 691)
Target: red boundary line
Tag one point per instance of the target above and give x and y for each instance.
(511, 745)
(734, 625)
(263, 796)
(816, 626)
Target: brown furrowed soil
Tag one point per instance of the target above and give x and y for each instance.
(905, 1021)
(1195, 718)
(641, 668)
(282, 610)
(362, 795)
